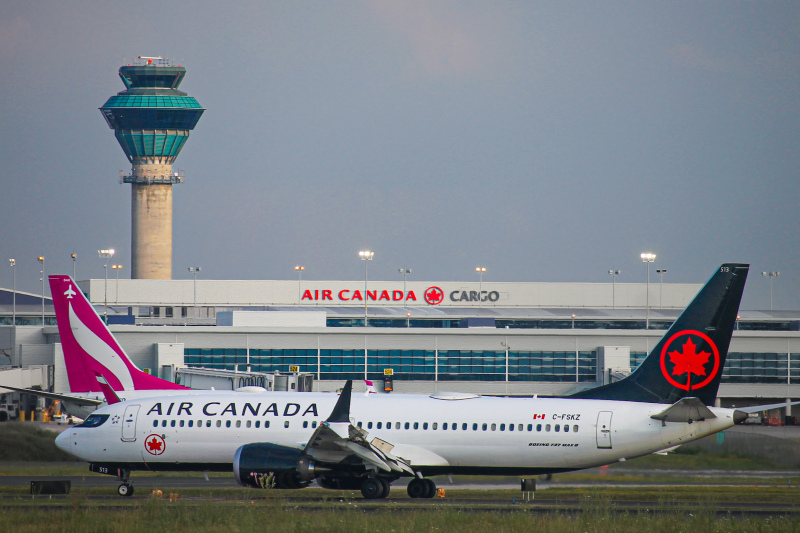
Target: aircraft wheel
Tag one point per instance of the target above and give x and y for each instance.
(430, 486)
(126, 489)
(372, 488)
(417, 488)
(386, 487)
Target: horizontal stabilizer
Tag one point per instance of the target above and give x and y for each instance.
(77, 400)
(685, 410)
(759, 408)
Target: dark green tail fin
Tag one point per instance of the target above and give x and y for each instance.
(688, 360)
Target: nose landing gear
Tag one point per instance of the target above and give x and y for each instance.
(126, 489)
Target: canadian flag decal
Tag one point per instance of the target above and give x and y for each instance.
(537, 417)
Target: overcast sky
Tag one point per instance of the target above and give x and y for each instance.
(546, 141)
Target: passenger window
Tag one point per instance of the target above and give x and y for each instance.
(464, 427)
(397, 425)
(227, 423)
(369, 425)
(484, 426)
(181, 423)
(208, 423)
(359, 425)
(407, 425)
(575, 428)
(305, 423)
(238, 423)
(155, 423)
(566, 428)
(558, 427)
(286, 424)
(455, 426)
(435, 425)
(379, 425)
(538, 427)
(520, 427)
(191, 423)
(258, 424)
(474, 427)
(314, 424)
(547, 427)
(163, 423)
(511, 427)
(444, 426)
(172, 423)
(249, 423)
(530, 427)
(502, 427)
(494, 427)
(219, 423)
(424, 425)
(266, 424)
(416, 425)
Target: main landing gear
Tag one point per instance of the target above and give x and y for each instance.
(421, 488)
(374, 488)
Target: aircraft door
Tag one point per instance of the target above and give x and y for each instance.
(129, 423)
(604, 429)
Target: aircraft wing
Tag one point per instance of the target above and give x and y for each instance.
(685, 410)
(338, 441)
(78, 400)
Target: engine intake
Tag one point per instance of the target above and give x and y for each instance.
(264, 465)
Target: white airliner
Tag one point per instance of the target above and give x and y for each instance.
(287, 440)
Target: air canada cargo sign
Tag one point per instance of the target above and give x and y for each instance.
(432, 296)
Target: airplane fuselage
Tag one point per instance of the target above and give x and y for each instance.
(472, 435)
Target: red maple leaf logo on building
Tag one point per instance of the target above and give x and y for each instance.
(154, 445)
(434, 295)
(689, 361)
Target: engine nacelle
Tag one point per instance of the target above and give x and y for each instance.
(263, 465)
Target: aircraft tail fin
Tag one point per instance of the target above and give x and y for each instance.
(89, 347)
(689, 358)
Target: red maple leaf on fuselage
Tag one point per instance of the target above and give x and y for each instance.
(689, 361)
(154, 444)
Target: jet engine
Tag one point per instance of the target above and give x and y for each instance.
(263, 465)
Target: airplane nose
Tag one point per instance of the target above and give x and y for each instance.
(64, 441)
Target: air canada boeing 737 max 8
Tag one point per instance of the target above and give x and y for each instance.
(287, 440)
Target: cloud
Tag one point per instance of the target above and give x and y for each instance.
(443, 41)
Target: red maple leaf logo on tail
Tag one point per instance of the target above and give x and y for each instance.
(689, 361)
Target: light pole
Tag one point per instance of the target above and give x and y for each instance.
(661, 272)
(194, 271)
(770, 275)
(299, 269)
(365, 256)
(404, 272)
(74, 259)
(480, 271)
(13, 264)
(116, 290)
(648, 258)
(614, 274)
(105, 254)
(41, 260)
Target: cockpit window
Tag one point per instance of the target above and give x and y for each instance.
(93, 421)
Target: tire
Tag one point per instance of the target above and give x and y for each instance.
(386, 487)
(372, 488)
(430, 488)
(125, 490)
(417, 488)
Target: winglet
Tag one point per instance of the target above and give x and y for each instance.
(108, 392)
(341, 411)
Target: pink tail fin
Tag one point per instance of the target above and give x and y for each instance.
(90, 347)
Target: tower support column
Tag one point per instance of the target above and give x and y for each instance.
(151, 222)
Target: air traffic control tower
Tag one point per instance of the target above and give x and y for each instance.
(151, 120)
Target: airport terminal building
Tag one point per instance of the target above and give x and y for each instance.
(489, 338)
